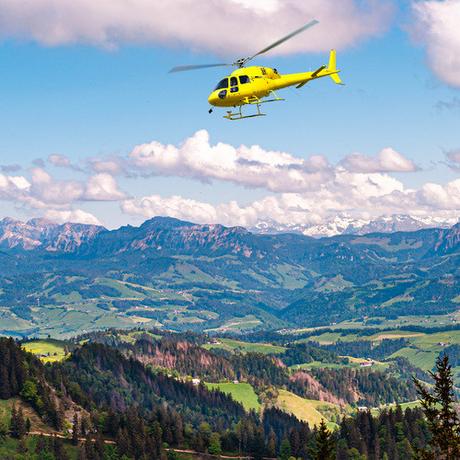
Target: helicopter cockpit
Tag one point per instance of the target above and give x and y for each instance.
(232, 82)
(223, 84)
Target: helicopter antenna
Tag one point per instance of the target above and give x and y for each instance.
(241, 62)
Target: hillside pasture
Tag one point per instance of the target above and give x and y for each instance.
(245, 347)
(307, 410)
(48, 351)
(241, 392)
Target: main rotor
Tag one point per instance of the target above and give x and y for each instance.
(243, 61)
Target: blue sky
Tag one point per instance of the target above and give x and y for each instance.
(84, 100)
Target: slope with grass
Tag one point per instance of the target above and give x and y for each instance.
(308, 410)
(241, 392)
(245, 347)
(48, 351)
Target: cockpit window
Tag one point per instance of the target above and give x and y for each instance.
(222, 84)
(244, 79)
(233, 81)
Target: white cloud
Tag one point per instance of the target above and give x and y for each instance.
(299, 191)
(247, 166)
(441, 197)
(357, 195)
(42, 191)
(13, 187)
(103, 187)
(253, 166)
(388, 160)
(54, 192)
(437, 27)
(223, 26)
(75, 216)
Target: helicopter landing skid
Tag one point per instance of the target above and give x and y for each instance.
(257, 102)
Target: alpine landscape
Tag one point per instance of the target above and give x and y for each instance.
(229, 230)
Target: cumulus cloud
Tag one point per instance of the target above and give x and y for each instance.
(356, 195)
(41, 191)
(75, 216)
(388, 160)
(441, 197)
(300, 191)
(254, 166)
(436, 26)
(49, 191)
(247, 166)
(223, 27)
(13, 187)
(103, 187)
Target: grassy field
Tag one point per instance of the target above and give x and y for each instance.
(425, 348)
(327, 338)
(425, 321)
(307, 410)
(245, 347)
(353, 362)
(237, 325)
(47, 350)
(241, 392)
(422, 348)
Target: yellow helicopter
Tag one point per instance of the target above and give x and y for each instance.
(252, 85)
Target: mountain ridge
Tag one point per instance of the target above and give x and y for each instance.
(69, 237)
(181, 275)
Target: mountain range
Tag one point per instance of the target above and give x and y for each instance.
(344, 224)
(69, 278)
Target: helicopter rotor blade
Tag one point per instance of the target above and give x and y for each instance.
(184, 68)
(286, 38)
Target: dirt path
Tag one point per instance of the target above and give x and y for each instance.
(179, 451)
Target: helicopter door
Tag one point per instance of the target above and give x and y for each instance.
(233, 85)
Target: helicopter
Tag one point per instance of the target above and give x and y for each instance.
(256, 85)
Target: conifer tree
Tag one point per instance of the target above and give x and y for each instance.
(285, 449)
(18, 423)
(75, 430)
(324, 443)
(442, 418)
(271, 444)
(214, 444)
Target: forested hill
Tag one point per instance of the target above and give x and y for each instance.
(121, 404)
(186, 276)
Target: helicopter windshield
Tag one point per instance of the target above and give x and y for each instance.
(222, 84)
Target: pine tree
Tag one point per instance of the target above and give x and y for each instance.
(18, 423)
(75, 430)
(214, 444)
(442, 418)
(271, 444)
(285, 449)
(325, 445)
